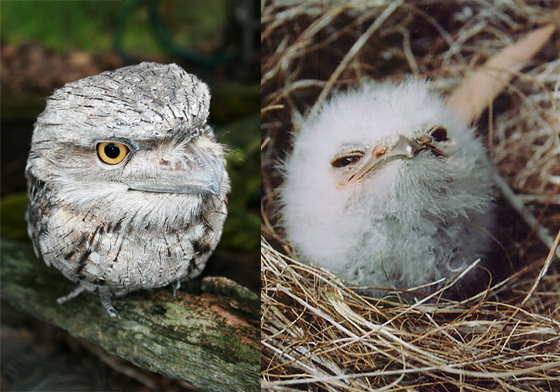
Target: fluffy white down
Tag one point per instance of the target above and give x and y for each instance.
(415, 221)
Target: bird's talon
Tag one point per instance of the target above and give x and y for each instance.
(175, 286)
(74, 293)
(113, 313)
(106, 302)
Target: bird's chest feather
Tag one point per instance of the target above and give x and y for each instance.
(393, 253)
(98, 251)
(414, 233)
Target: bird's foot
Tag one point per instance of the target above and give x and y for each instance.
(175, 286)
(72, 294)
(106, 302)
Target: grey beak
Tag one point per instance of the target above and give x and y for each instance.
(404, 148)
(199, 173)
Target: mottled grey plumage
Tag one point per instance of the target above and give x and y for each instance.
(151, 220)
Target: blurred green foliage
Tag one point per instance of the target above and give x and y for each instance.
(243, 224)
(60, 25)
(12, 224)
(91, 25)
(234, 101)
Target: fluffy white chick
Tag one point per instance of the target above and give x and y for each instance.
(386, 187)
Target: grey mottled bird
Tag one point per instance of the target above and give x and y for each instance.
(388, 188)
(126, 182)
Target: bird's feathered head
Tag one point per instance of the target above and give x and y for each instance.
(127, 134)
(382, 150)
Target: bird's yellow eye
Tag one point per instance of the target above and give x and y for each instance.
(112, 153)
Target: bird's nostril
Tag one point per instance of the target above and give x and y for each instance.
(379, 151)
(424, 139)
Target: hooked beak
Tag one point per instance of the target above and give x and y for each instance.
(404, 148)
(197, 173)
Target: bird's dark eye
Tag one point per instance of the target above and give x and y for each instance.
(346, 160)
(439, 134)
(111, 153)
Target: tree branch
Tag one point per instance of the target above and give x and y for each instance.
(208, 335)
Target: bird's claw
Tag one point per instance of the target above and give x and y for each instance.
(175, 286)
(106, 302)
(74, 293)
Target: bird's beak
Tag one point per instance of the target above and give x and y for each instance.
(404, 148)
(197, 173)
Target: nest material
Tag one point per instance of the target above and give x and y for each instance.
(317, 334)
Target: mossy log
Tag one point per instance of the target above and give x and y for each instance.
(208, 335)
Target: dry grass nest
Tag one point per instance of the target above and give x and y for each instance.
(317, 334)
